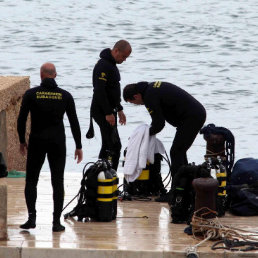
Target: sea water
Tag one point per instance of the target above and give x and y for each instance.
(208, 48)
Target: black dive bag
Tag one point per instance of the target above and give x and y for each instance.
(243, 188)
(183, 200)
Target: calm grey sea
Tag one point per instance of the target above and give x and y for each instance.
(209, 48)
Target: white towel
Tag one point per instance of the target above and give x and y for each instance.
(141, 147)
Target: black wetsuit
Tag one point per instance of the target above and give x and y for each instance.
(167, 102)
(47, 104)
(106, 101)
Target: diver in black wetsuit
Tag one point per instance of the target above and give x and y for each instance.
(167, 102)
(106, 100)
(47, 104)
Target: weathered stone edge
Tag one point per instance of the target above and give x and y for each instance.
(10, 95)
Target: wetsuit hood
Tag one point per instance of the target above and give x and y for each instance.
(106, 54)
(141, 87)
(49, 83)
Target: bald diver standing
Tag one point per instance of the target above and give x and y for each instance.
(47, 105)
(106, 100)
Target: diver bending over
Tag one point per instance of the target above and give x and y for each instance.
(167, 102)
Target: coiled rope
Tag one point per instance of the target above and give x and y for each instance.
(213, 229)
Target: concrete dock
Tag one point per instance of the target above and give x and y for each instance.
(142, 229)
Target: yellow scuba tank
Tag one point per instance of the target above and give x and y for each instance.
(105, 196)
(145, 175)
(221, 176)
(142, 182)
(141, 185)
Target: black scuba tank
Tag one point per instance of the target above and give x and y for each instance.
(114, 192)
(105, 196)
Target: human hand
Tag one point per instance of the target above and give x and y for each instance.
(23, 148)
(78, 154)
(122, 117)
(111, 119)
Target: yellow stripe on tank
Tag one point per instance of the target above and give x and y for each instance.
(105, 189)
(145, 175)
(105, 199)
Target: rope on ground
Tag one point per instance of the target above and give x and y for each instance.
(213, 229)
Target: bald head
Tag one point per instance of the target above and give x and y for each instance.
(122, 45)
(121, 50)
(47, 70)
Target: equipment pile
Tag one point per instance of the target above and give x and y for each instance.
(97, 197)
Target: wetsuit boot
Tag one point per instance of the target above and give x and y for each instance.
(31, 222)
(57, 226)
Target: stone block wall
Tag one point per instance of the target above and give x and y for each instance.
(12, 89)
(3, 209)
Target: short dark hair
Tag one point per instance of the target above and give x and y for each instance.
(129, 91)
(122, 45)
